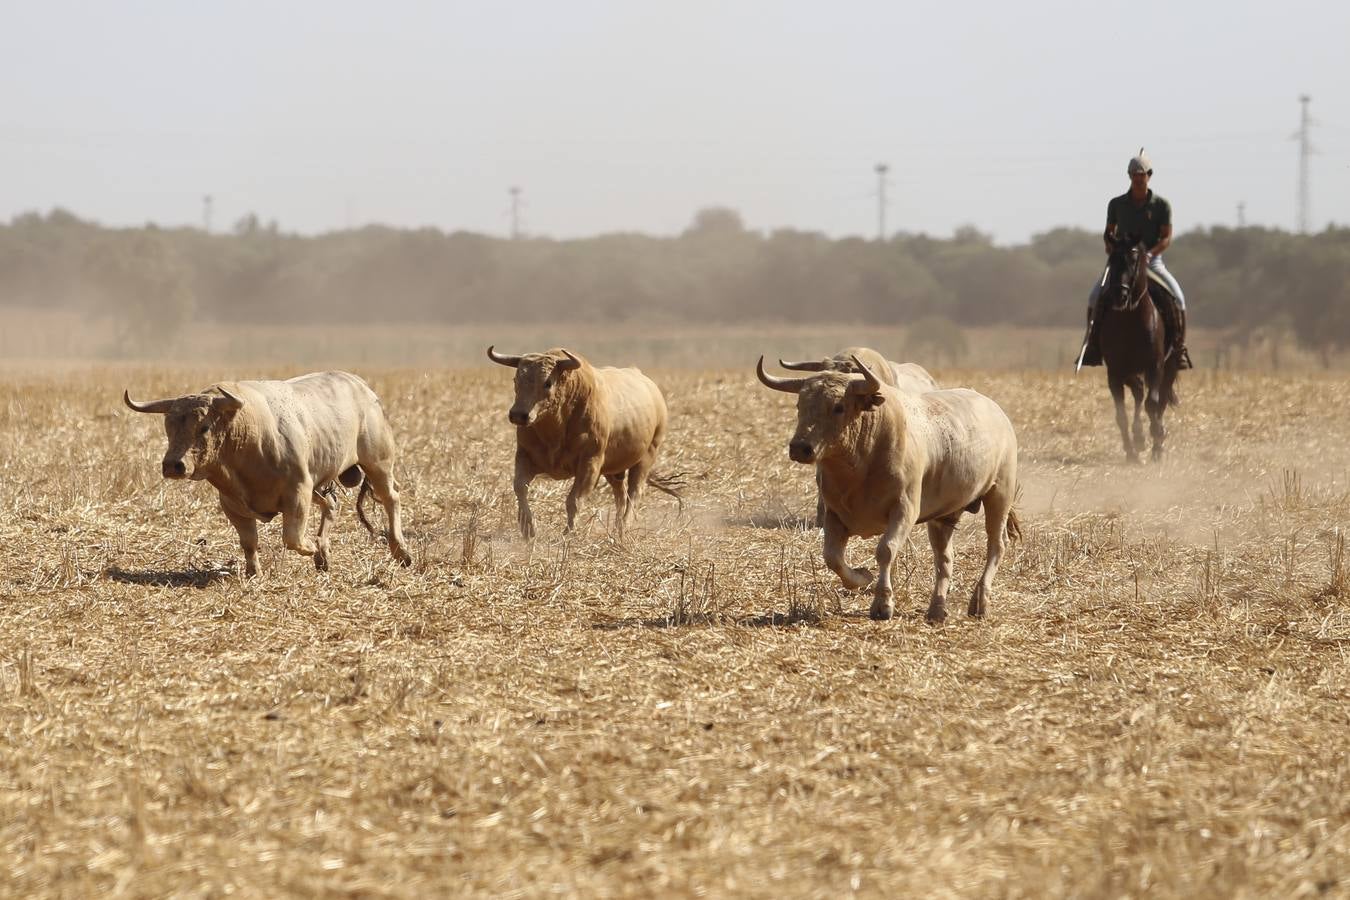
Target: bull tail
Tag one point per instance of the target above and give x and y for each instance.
(1014, 526)
(360, 507)
(672, 483)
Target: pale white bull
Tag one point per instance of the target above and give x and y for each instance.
(891, 459)
(277, 447)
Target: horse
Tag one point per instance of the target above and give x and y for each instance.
(1134, 349)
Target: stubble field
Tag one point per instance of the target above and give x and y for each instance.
(1156, 703)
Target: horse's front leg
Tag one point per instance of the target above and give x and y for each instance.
(1156, 408)
(1137, 389)
(1156, 428)
(1117, 387)
(1159, 397)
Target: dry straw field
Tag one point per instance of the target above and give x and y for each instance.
(1156, 704)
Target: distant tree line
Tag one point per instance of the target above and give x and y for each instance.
(1250, 282)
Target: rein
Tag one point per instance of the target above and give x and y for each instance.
(1137, 291)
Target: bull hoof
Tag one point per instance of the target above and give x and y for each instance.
(936, 615)
(404, 559)
(883, 605)
(976, 608)
(321, 560)
(856, 578)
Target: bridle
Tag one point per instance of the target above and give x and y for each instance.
(1136, 288)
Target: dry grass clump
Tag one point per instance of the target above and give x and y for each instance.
(1155, 705)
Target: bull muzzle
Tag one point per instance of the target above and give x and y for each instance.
(174, 468)
(519, 416)
(801, 451)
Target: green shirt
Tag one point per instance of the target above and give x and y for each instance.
(1146, 221)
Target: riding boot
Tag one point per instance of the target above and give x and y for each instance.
(1092, 354)
(1183, 356)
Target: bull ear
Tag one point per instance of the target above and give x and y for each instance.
(806, 365)
(869, 383)
(154, 406)
(570, 363)
(786, 385)
(502, 359)
(228, 401)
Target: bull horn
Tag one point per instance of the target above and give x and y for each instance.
(806, 365)
(786, 385)
(154, 406)
(570, 363)
(502, 359)
(234, 401)
(869, 385)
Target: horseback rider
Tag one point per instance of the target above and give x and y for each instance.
(1147, 215)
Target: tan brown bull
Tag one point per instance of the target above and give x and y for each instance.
(277, 447)
(890, 460)
(576, 421)
(910, 377)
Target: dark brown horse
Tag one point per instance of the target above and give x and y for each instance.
(1134, 349)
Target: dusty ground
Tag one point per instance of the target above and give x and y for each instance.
(1157, 703)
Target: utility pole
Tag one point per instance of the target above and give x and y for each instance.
(206, 213)
(1305, 150)
(515, 213)
(881, 169)
(1242, 217)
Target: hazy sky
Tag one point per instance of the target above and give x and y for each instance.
(621, 116)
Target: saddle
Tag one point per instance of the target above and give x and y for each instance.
(1169, 311)
(1158, 280)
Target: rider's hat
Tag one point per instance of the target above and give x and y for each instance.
(1141, 163)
